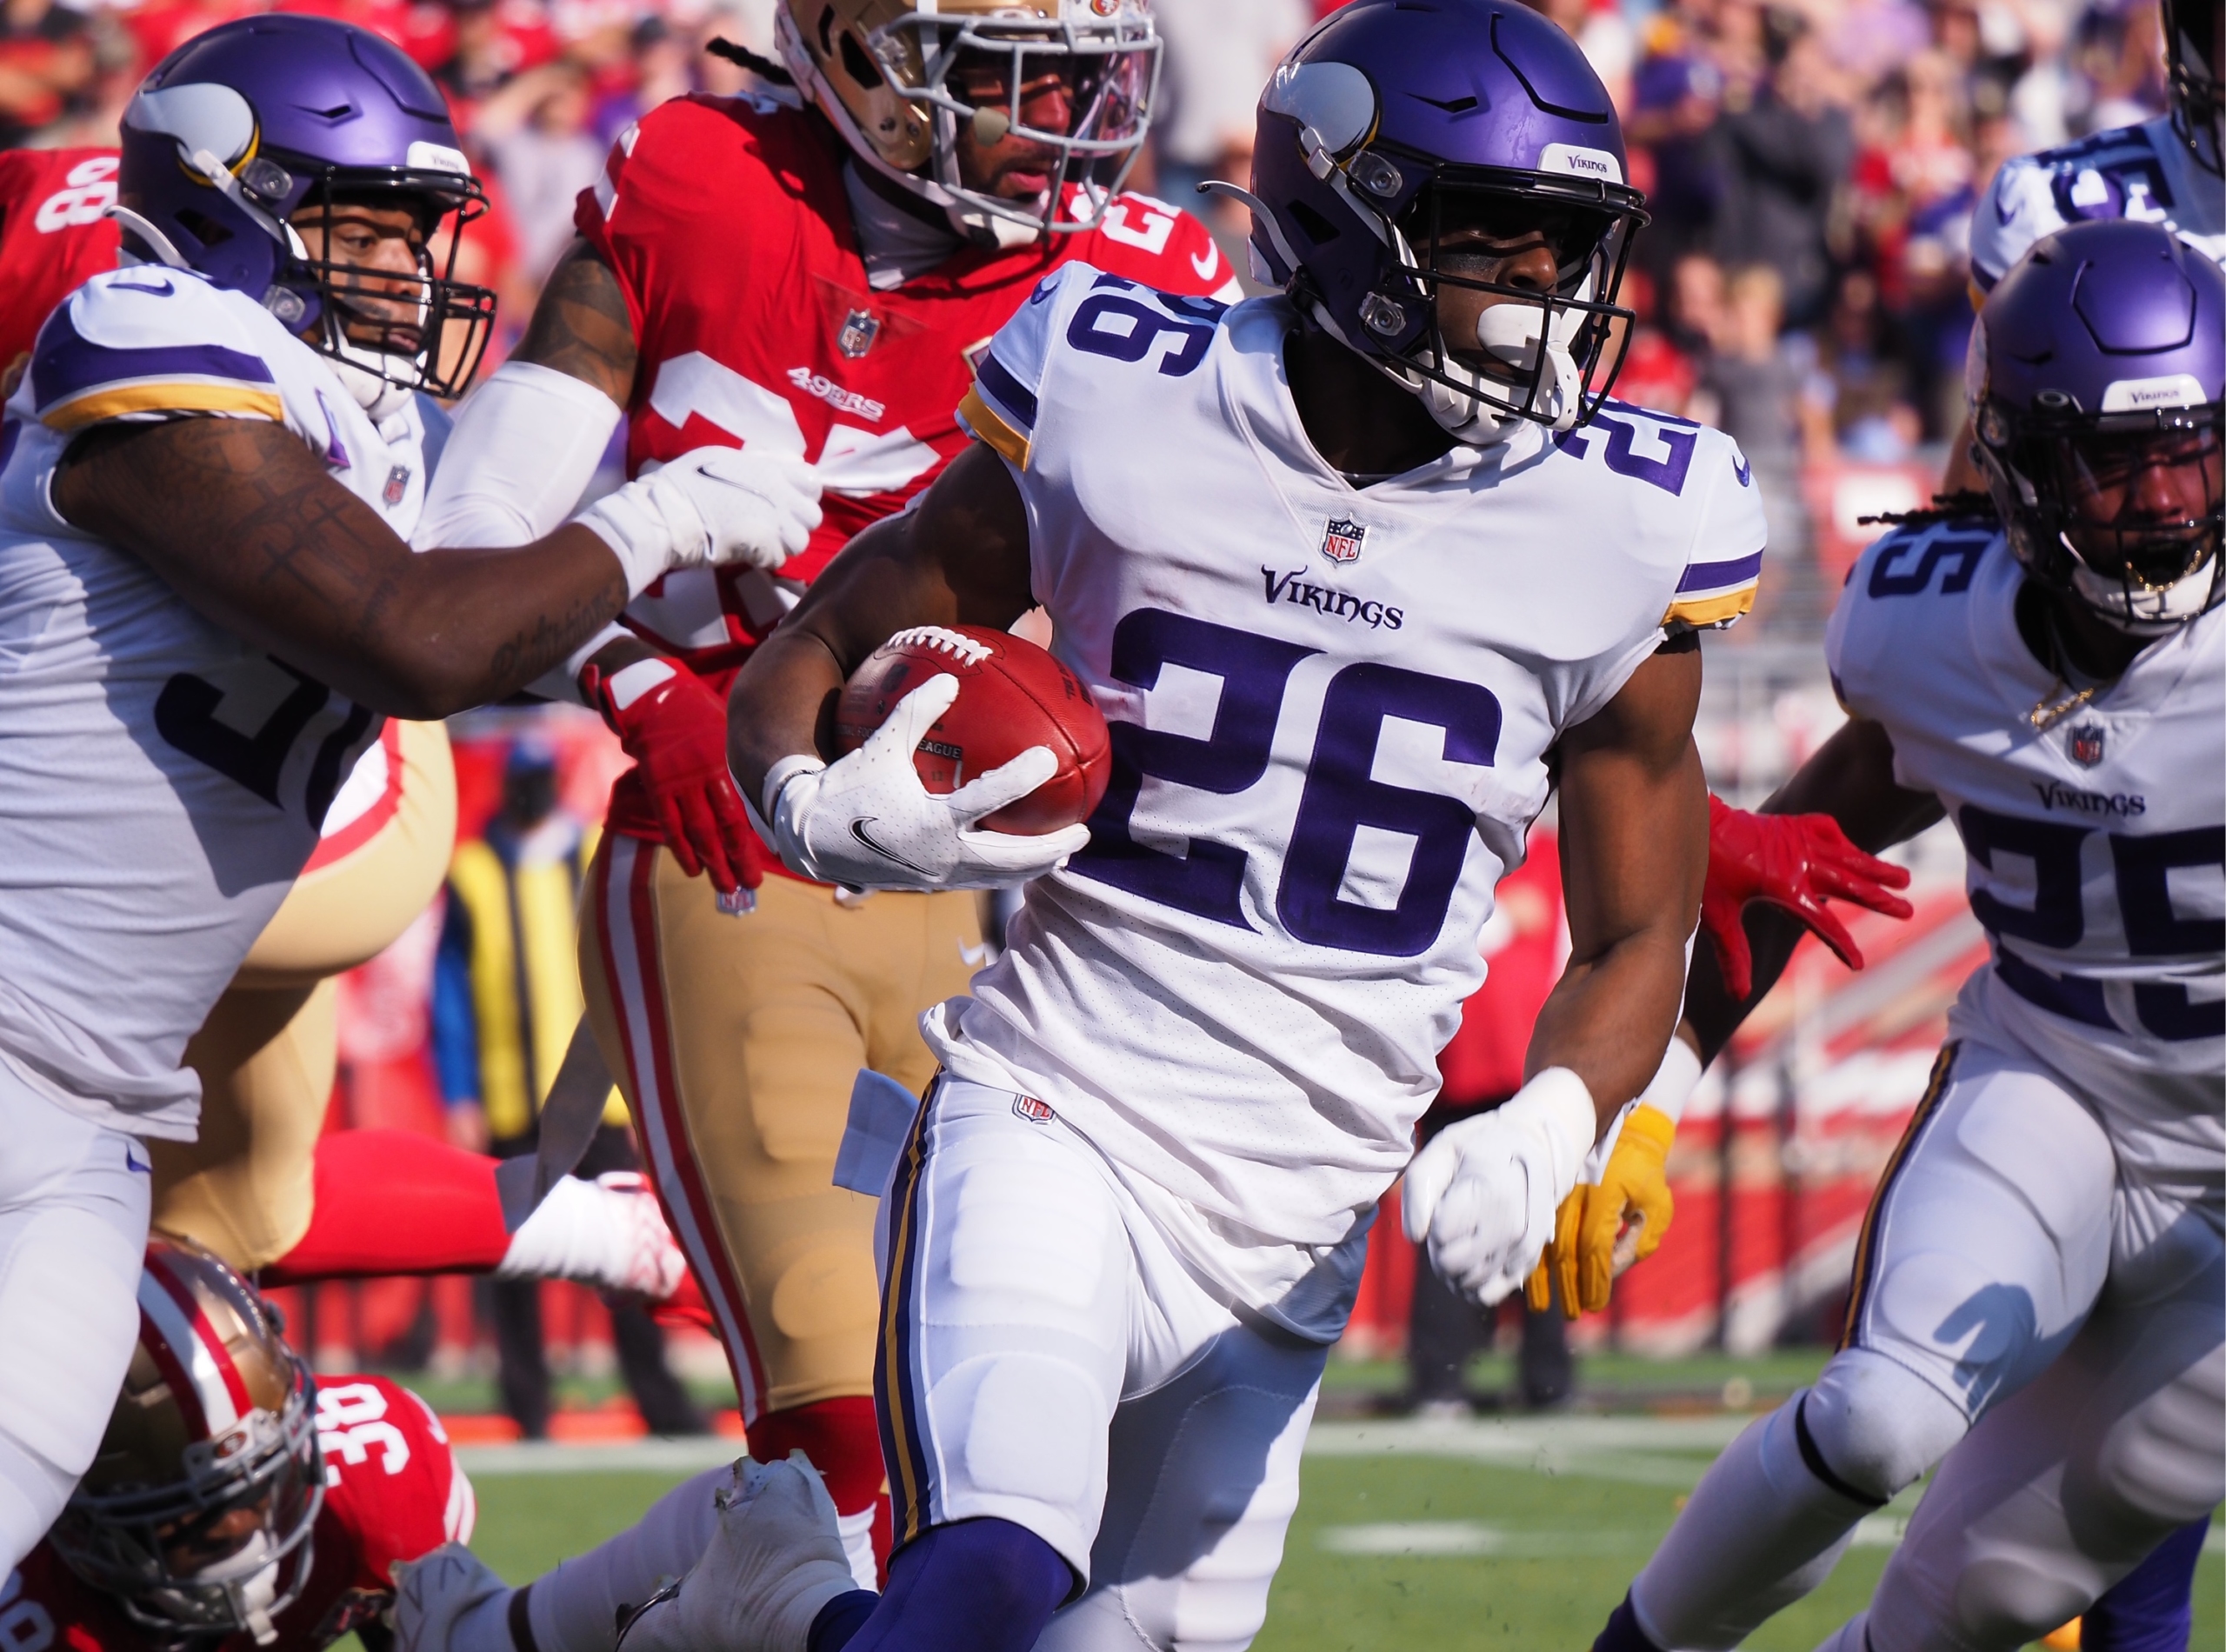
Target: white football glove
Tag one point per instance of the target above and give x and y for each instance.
(1484, 1191)
(447, 1601)
(710, 505)
(867, 821)
(773, 1563)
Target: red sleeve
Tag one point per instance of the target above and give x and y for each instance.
(53, 234)
(392, 1483)
(1160, 245)
(45, 1607)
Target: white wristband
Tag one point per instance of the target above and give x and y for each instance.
(1673, 1081)
(627, 685)
(780, 774)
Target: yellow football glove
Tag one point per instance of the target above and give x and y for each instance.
(1601, 1230)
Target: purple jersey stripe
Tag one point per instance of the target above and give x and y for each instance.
(1013, 397)
(66, 365)
(1708, 577)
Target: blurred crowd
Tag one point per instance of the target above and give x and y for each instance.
(1811, 166)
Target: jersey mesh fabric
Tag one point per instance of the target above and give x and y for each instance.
(1330, 707)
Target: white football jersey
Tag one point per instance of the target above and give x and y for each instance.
(2141, 172)
(161, 782)
(1330, 709)
(2096, 846)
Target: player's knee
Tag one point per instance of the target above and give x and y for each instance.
(1877, 1425)
(2011, 1599)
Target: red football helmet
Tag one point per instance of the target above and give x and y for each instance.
(196, 1514)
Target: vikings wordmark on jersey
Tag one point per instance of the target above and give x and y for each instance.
(1323, 758)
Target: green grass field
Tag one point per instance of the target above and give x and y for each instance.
(1408, 1535)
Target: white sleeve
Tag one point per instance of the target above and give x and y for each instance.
(525, 446)
(1000, 408)
(2019, 208)
(574, 1608)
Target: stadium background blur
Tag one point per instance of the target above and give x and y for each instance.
(1811, 168)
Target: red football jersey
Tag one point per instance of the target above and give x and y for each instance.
(392, 1492)
(728, 227)
(52, 235)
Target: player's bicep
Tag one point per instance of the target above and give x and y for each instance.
(959, 557)
(583, 325)
(1634, 811)
(1851, 778)
(242, 521)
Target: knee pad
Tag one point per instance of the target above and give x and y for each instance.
(1877, 1425)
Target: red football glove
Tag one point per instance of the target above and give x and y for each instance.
(1792, 861)
(675, 729)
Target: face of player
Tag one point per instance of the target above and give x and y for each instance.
(192, 1546)
(1010, 167)
(1498, 249)
(2147, 503)
(377, 255)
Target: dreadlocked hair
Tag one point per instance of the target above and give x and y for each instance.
(1966, 504)
(764, 68)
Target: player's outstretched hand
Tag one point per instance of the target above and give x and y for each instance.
(775, 1561)
(1608, 1225)
(868, 821)
(709, 505)
(675, 729)
(1483, 1194)
(446, 1601)
(1792, 861)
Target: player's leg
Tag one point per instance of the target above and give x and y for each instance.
(268, 1054)
(2151, 1609)
(1011, 1317)
(246, 1185)
(73, 1229)
(735, 1041)
(1203, 1482)
(2063, 1489)
(1985, 1245)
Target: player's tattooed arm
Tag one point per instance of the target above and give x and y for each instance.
(1634, 846)
(961, 559)
(1850, 777)
(580, 326)
(240, 517)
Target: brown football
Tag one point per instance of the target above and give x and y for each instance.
(1012, 695)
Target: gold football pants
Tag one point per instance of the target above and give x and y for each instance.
(735, 1041)
(268, 1051)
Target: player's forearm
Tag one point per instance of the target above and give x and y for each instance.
(1711, 1011)
(779, 701)
(1608, 1018)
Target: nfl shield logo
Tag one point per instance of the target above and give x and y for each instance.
(1341, 541)
(859, 331)
(397, 483)
(1034, 1112)
(2087, 744)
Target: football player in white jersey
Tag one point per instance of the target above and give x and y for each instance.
(208, 604)
(2041, 1275)
(2165, 171)
(1359, 572)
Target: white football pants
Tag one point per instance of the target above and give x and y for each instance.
(1047, 1360)
(2009, 1251)
(74, 1198)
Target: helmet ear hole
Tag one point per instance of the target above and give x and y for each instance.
(860, 66)
(1312, 224)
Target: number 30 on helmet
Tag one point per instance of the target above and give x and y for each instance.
(196, 1513)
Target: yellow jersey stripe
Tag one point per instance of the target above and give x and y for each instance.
(1711, 610)
(120, 401)
(989, 425)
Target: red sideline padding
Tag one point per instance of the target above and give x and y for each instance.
(394, 1201)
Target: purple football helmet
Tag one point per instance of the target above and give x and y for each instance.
(2194, 41)
(244, 126)
(2093, 378)
(1399, 123)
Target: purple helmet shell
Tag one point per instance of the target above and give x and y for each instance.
(2095, 371)
(1394, 116)
(246, 124)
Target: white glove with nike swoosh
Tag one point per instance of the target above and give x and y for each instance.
(1485, 1192)
(709, 505)
(866, 821)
